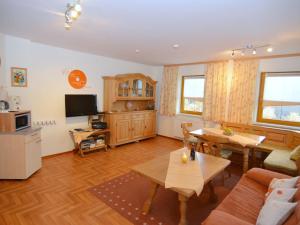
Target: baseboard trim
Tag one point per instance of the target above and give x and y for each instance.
(60, 153)
(74, 150)
(174, 138)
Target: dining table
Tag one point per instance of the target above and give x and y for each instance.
(237, 141)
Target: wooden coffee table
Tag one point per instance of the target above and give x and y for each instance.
(156, 171)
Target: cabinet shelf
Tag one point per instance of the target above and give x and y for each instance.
(133, 95)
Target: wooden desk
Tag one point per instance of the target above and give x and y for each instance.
(156, 171)
(235, 145)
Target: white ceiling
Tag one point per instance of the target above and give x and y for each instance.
(204, 29)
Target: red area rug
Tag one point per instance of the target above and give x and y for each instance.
(127, 193)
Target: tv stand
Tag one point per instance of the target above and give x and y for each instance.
(89, 140)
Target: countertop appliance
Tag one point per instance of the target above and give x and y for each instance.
(3, 105)
(14, 121)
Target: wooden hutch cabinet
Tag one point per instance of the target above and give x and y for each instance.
(129, 101)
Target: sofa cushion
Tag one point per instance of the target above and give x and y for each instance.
(275, 212)
(219, 217)
(245, 200)
(295, 154)
(279, 160)
(284, 183)
(282, 194)
(295, 217)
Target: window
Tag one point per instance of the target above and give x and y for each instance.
(192, 93)
(279, 98)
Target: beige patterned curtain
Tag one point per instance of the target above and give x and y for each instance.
(242, 91)
(168, 94)
(215, 92)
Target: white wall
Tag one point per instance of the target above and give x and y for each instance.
(170, 126)
(47, 84)
(2, 62)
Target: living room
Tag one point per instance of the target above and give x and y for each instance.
(234, 76)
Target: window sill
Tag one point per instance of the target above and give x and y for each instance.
(270, 125)
(189, 115)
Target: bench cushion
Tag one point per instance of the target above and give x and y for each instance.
(279, 160)
(295, 154)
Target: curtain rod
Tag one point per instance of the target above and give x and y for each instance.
(240, 58)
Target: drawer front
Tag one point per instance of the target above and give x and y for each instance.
(33, 156)
(122, 117)
(138, 116)
(33, 136)
(150, 114)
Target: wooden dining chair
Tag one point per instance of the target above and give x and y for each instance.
(215, 146)
(188, 139)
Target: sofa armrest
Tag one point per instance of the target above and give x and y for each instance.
(220, 217)
(264, 176)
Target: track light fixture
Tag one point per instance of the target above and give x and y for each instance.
(72, 12)
(250, 49)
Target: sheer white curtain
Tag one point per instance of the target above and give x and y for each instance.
(215, 92)
(241, 102)
(168, 94)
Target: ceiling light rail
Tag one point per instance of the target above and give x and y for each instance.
(250, 49)
(72, 12)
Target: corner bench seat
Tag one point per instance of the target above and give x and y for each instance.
(271, 147)
(279, 160)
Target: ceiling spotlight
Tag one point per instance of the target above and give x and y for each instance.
(250, 49)
(74, 14)
(67, 26)
(269, 49)
(137, 51)
(176, 46)
(78, 7)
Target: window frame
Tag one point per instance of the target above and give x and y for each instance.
(261, 100)
(182, 96)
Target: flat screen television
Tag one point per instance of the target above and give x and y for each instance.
(80, 105)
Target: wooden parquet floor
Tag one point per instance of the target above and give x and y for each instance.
(57, 194)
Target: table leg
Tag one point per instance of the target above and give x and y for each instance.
(148, 202)
(245, 159)
(253, 157)
(213, 197)
(183, 208)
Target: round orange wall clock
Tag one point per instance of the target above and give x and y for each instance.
(77, 79)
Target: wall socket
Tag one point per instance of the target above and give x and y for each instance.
(44, 123)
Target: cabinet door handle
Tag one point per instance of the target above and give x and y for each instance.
(38, 141)
(35, 134)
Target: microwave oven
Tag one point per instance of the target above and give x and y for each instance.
(14, 121)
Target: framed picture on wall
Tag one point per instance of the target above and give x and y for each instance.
(18, 77)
